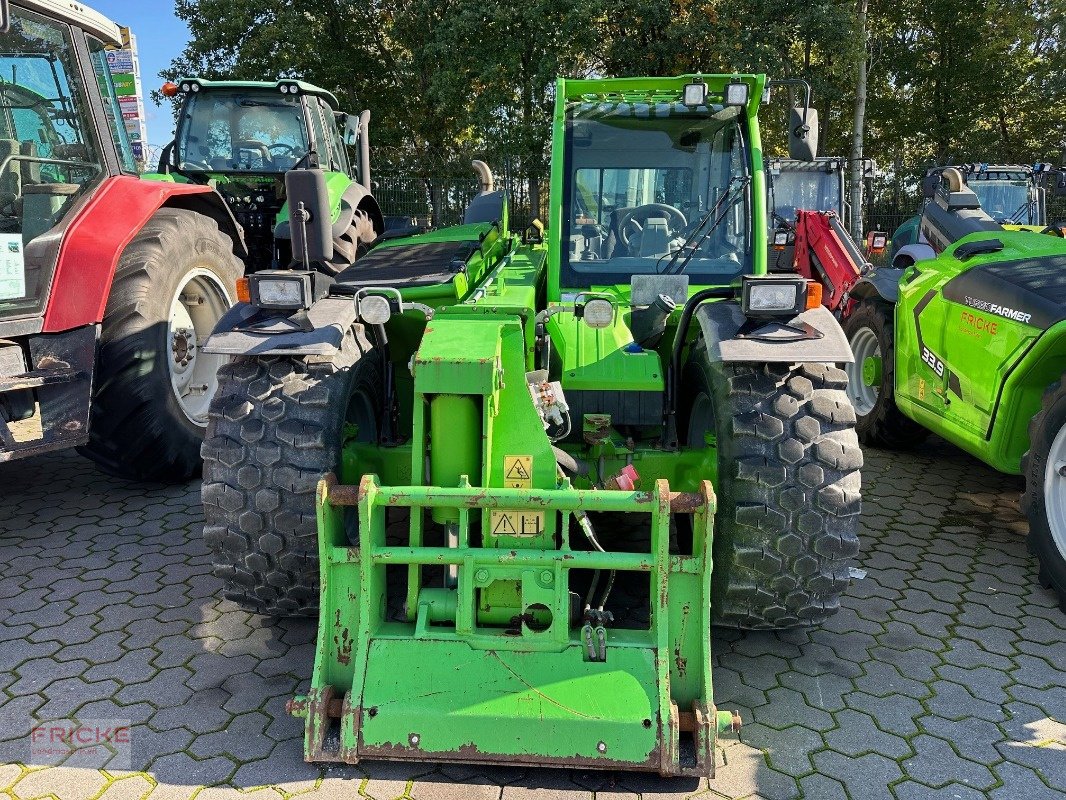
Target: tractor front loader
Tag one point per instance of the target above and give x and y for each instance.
(546, 468)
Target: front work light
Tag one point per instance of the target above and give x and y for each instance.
(374, 309)
(695, 94)
(772, 296)
(282, 289)
(736, 94)
(598, 312)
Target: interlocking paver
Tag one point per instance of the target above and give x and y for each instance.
(941, 676)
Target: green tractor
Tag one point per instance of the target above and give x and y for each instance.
(241, 137)
(548, 466)
(971, 345)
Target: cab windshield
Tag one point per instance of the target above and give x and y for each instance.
(654, 188)
(807, 189)
(1006, 201)
(239, 131)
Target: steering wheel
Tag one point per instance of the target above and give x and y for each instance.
(633, 217)
(289, 149)
(253, 144)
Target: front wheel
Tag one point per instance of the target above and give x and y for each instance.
(788, 488)
(1044, 501)
(153, 386)
(871, 379)
(278, 424)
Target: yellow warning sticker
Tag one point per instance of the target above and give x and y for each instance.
(921, 388)
(516, 523)
(518, 472)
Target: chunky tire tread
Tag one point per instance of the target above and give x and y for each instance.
(788, 490)
(137, 430)
(1043, 428)
(885, 425)
(275, 429)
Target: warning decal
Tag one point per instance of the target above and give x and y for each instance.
(516, 523)
(518, 472)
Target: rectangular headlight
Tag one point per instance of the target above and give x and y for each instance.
(695, 94)
(282, 289)
(736, 94)
(773, 297)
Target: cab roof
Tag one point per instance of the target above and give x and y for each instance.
(304, 87)
(78, 15)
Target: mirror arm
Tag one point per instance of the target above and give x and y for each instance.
(771, 84)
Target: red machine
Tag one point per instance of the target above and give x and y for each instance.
(818, 247)
(108, 283)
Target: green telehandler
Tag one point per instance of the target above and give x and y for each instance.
(971, 345)
(548, 465)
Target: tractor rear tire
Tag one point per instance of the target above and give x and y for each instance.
(152, 386)
(277, 426)
(788, 488)
(879, 422)
(1044, 500)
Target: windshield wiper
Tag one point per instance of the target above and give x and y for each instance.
(735, 182)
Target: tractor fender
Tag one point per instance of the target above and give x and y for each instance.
(912, 254)
(882, 282)
(355, 197)
(321, 334)
(772, 340)
(98, 235)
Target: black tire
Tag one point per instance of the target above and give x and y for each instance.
(880, 423)
(138, 429)
(1048, 424)
(349, 246)
(788, 488)
(277, 426)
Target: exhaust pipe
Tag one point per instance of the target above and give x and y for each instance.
(364, 148)
(488, 183)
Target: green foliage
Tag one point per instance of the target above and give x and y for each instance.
(449, 80)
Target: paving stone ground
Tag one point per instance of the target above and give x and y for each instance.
(942, 677)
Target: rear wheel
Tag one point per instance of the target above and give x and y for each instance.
(1044, 501)
(871, 379)
(153, 386)
(788, 488)
(277, 426)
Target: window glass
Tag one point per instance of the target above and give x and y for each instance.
(654, 190)
(49, 157)
(238, 131)
(112, 108)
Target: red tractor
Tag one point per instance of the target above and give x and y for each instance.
(108, 283)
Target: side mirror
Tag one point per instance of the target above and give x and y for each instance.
(5, 16)
(351, 129)
(309, 218)
(929, 184)
(803, 134)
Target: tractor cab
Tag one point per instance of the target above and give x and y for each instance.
(241, 137)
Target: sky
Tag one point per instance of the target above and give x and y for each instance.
(160, 37)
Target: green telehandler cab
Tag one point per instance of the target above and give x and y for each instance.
(241, 137)
(548, 466)
(971, 345)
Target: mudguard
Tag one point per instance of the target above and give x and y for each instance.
(881, 282)
(772, 341)
(354, 198)
(320, 333)
(912, 254)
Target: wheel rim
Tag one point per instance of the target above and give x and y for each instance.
(864, 345)
(195, 308)
(1055, 490)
